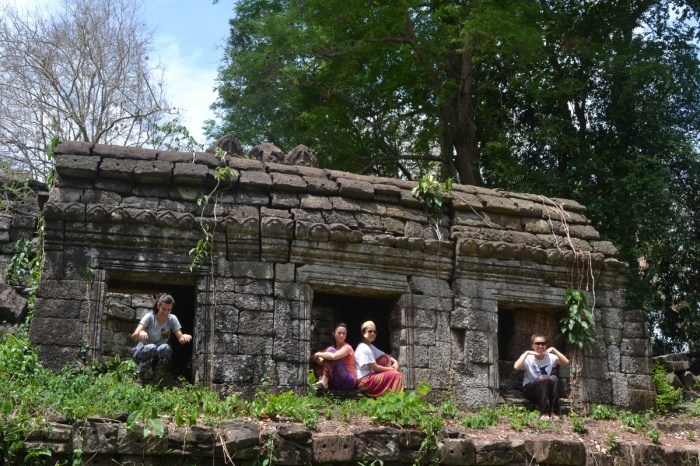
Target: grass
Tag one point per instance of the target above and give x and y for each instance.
(30, 395)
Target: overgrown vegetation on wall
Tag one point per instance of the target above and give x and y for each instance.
(31, 395)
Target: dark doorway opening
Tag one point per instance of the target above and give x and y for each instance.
(327, 310)
(184, 309)
(516, 325)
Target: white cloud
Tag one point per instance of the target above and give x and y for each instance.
(189, 84)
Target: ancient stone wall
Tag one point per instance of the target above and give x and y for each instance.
(294, 248)
(105, 441)
(19, 216)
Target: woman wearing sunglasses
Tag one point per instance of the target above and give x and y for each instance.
(539, 385)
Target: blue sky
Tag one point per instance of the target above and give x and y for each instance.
(189, 36)
(188, 40)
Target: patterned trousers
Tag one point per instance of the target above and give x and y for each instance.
(544, 392)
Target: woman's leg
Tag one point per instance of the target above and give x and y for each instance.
(544, 392)
(164, 354)
(145, 354)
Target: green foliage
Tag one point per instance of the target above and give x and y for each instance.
(482, 418)
(634, 421)
(518, 417)
(604, 412)
(147, 421)
(173, 136)
(285, 406)
(577, 423)
(203, 247)
(432, 193)
(667, 396)
(13, 193)
(18, 359)
(577, 325)
(613, 444)
(23, 263)
(654, 436)
(404, 409)
(596, 104)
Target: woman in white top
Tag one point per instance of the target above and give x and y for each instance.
(539, 385)
(376, 371)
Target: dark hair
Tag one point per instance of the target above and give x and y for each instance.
(339, 324)
(163, 298)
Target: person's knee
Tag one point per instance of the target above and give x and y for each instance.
(164, 352)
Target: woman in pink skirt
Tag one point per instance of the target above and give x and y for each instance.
(376, 371)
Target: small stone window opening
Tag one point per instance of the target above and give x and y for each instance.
(126, 302)
(328, 309)
(516, 325)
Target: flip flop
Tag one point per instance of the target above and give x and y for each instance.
(318, 386)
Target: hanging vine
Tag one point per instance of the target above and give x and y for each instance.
(577, 324)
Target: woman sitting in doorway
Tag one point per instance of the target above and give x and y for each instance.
(539, 385)
(152, 352)
(377, 372)
(338, 362)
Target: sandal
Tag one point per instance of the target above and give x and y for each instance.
(318, 386)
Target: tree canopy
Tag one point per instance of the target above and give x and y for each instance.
(597, 101)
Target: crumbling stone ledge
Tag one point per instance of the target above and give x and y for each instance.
(242, 442)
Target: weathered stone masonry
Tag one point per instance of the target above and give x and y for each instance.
(121, 221)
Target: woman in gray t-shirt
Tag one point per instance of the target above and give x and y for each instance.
(152, 351)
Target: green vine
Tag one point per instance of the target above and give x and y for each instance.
(577, 325)
(432, 193)
(204, 245)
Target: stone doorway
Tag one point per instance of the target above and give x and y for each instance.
(139, 295)
(328, 309)
(515, 327)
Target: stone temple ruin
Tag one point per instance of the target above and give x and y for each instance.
(295, 248)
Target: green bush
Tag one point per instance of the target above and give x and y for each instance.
(667, 396)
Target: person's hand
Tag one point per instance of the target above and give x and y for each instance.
(318, 358)
(395, 365)
(530, 352)
(551, 349)
(143, 335)
(185, 338)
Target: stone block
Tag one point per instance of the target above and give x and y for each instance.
(315, 185)
(259, 270)
(239, 438)
(98, 437)
(284, 200)
(191, 439)
(355, 189)
(235, 368)
(494, 452)
(255, 180)
(455, 452)
(153, 172)
(430, 286)
(635, 347)
(377, 444)
(288, 182)
(77, 166)
(558, 452)
(52, 331)
(226, 342)
(190, 174)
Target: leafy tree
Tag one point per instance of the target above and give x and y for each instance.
(375, 87)
(80, 74)
(596, 101)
